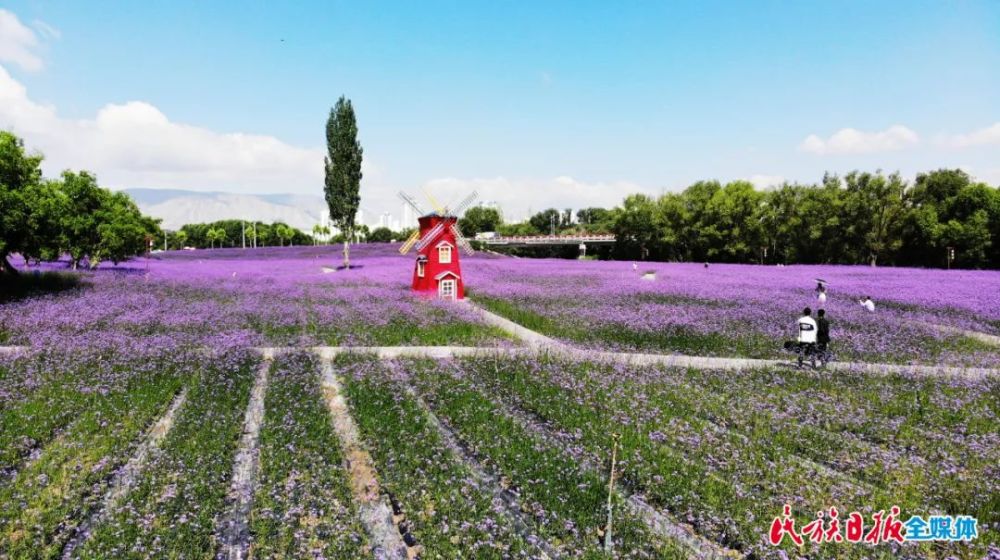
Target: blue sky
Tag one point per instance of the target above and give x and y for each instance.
(534, 103)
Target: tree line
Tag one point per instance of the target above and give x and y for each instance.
(43, 219)
(941, 219)
(234, 233)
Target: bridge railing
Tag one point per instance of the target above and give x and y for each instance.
(550, 239)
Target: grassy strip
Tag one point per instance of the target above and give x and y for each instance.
(446, 511)
(29, 424)
(172, 512)
(568, 501)
(56, 492)
(923, 441)
(716, 481)
(750, 345)
(302, 507)
(703, 475)
(42, 393)
(527, 318)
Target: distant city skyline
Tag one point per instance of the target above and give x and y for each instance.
(535, 105)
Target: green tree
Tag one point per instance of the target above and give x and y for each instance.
(873, 208)
(19, 171)
(122, 230)
(86, 202)
(675, 235)
(514, 230)
(595, 219)
(343, 170)
(43, 233)
(546, 221)
(281, 232)
(319, 232)
(731, 227)
(479, 219)
(381, 235)
(637, 228)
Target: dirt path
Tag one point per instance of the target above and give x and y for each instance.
(234, 529)
(373, 507)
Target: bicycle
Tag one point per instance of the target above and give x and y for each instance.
(808, 352)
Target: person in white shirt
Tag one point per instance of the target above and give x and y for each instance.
(868, 304)
(807, 327)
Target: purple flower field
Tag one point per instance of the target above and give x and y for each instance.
(493, 456)
(263, 297)
(745, 310)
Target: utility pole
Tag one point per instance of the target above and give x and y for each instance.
(255, 235)
(164, 240)
(244, 234)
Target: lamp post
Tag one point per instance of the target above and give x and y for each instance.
(951, 255)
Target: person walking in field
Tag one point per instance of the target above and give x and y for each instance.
(820, 291)
(822, 335)
(868, 304)
(807, 336)
(807, 327)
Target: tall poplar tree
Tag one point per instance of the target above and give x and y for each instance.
(343, 170)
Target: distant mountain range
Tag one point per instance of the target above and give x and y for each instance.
(179, 207)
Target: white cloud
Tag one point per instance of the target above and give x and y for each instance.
(981, 137)
(135, 145)
(46, 30)
(853, 141)
(765, 181)
(18, 43)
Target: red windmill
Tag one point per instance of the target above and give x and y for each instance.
(437, 270)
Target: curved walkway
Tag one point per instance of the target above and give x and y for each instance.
(539, 341)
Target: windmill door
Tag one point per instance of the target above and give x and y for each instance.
(446, 288)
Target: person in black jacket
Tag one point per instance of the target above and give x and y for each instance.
(822, 334)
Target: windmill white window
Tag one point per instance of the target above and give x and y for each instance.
(421, 264)
(444, 253)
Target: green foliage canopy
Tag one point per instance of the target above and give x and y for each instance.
(343, 170)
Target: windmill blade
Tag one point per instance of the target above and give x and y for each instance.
(413, 203)
(431, 235)
(441, 210)
(462, 241)
(409, 243)
(465, 203)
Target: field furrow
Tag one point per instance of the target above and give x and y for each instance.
(571, 506)
(373, 506)
(172, 512)
(440, 499)
(233, 530)
(52, 495)
(303, 506)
